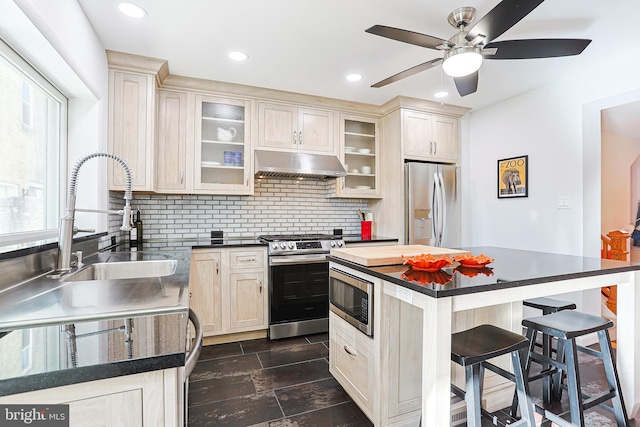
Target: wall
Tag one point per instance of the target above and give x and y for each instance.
(558, 126)
(277, 207)
(618, 155)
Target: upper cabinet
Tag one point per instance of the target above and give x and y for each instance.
(429, 136)
(171, 150)
(360, 147)
(132, 112)
(223, 150)
(289, 127)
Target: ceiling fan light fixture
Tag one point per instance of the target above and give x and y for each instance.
(132, 10)
(441, 94)
(462, 61)
(238, 56)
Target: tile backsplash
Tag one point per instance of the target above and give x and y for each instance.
(277, 207)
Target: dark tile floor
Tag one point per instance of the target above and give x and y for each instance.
(269, 384)
(287, 383)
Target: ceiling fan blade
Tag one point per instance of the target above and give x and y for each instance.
(410, 72)
(537, 48)
(467, 85)
(505, 15)
(410, 37)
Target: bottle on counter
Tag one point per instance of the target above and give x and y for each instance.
(135, 234)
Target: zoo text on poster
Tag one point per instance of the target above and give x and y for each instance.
(513, 177)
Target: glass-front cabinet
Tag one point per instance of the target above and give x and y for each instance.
(223, 145)
(360, 157)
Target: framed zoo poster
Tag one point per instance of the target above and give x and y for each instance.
(513, 178)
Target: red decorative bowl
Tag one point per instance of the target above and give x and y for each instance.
(471, 261)
(427, 262)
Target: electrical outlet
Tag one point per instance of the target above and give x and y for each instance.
(404, 294)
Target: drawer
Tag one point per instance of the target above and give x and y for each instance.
(244, 260)
(351, 362)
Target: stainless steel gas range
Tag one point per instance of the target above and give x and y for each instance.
(299, 283)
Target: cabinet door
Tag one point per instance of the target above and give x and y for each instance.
(278, 126)
(223, 146)
(315, 130)
(359, 148)
(351, 362)
(131, 125)
(416, 134)
(445, 138)
(171, 163)
(247, 298)
(206, 290)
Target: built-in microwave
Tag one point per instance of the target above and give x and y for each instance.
(351, 298)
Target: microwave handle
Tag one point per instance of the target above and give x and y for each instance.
(351, 280)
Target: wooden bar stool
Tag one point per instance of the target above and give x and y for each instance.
(566, 326)
(472, 348)
(550, 388)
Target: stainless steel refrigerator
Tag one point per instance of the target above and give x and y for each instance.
(432, 205)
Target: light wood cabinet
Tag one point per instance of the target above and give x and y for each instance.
(228, 289)
(359, 150)
(171, 149)
(149, 399)
(132, 98)
(223, 146)
(351, 362)
(290, 127)
(429, 136)
(205, 287)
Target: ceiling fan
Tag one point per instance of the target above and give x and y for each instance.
(464, 52)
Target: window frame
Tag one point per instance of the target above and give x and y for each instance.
(55, 172)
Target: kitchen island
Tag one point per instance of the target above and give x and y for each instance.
(403, 295)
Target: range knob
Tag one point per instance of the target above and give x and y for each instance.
(282, 245)
(339, 243)
(274, 245)
(332, 244)
(291, 245)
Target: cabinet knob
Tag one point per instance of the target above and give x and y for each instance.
(300, 138)
(295, 138)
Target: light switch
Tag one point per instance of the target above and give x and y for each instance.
(564, 202)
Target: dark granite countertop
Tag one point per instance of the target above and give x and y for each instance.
(230, 242)
(511, 268)
(51, 356)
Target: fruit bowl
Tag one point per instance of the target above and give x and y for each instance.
(471, 261)
(427, 262)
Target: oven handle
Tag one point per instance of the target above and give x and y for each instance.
(298, 259)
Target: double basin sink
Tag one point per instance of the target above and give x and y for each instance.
(109, 285)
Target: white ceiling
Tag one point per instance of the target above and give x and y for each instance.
(310, 46)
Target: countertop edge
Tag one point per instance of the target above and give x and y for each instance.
(84, 374)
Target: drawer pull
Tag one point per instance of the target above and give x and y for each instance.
(348, 352)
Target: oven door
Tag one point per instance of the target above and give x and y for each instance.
(299, 288)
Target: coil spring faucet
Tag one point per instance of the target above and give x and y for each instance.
(66, 231)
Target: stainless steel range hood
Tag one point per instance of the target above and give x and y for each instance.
(277, 164)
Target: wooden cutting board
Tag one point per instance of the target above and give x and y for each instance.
(372, 256)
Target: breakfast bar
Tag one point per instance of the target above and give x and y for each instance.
(514, 275)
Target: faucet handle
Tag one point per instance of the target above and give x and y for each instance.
(77, 230)
(78, 255)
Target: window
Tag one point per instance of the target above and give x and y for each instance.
(32, 138)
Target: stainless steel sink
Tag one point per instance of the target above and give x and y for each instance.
(125, 270)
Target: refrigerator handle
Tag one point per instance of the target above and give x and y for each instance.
(435, 215)
(443, 205)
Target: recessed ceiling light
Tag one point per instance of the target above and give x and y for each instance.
(441, 94)
(354, 77)
(238, 56)
(132, 10)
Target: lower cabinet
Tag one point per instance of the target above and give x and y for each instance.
(149, 399)
(228, 289)
(352, 363)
